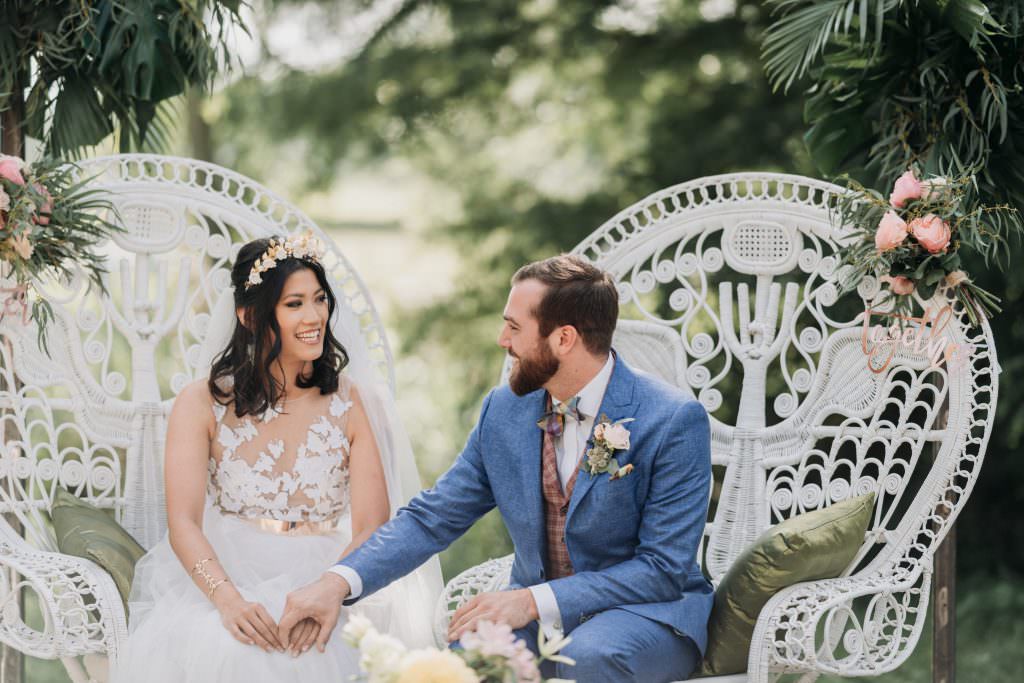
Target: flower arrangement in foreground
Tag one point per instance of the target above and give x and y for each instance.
(48, 218)
(491, 654)
(912, 240)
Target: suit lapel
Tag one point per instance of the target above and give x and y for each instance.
(529, 457)
(617, 404)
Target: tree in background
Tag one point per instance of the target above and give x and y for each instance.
(91, 69)
(940, 84)
(544, 118)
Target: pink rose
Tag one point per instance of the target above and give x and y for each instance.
(42, 216)
(907, 187)
(932, 190)
(10, 168)
(617, 437)
(899, 284)
(892, 230)
(932, 232)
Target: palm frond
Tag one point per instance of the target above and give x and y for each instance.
(804, 30)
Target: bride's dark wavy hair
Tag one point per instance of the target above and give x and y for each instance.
(255, 389)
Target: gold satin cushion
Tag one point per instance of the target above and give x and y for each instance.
(814, 545)
(84, 530)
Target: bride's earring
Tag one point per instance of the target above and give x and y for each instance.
(250, 353)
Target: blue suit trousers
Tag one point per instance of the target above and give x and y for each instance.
(616, 646)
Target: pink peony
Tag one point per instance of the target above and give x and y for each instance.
(932, 232)
(892, 230)
(907, 187)
(10, 168)
(42, 216)
(899, 284)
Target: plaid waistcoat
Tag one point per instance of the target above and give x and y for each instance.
(556, 506)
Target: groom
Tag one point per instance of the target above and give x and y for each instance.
(606, 555)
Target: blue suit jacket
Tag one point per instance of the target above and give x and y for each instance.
(633, 541)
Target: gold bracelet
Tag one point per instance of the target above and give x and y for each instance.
(211, 583)
(215, 585)
(198, 566)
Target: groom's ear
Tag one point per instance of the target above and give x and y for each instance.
(564, 339)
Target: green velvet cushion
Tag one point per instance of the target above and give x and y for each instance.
(815, 545)
(84, 530)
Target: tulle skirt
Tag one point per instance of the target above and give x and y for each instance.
(176, 634)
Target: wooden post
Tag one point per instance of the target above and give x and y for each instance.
(944, 596)
(12, 142)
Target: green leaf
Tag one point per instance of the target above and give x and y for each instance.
(78, 118)
(834, 138)
(970, 18)
(805, 29)
(934, 276)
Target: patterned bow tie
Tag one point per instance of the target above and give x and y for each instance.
(553, 422)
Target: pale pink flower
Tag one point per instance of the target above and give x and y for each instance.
(931, 232)
(892, 230)
(21, 245)
(42, 216)
(524, 665)
(933, 188)
(11, 168)
(907, 187)
(490, 639)
(617, 437)
(899, 284)
(599, 431)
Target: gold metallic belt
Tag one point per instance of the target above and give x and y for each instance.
(297, 528)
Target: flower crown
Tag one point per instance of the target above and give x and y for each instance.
(304, 246)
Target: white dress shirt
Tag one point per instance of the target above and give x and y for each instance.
(569, 449)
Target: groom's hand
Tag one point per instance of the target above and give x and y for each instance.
(515, 608)
(319, 601)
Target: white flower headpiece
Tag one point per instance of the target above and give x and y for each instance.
(305, 246)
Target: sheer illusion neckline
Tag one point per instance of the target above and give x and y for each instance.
(284, 465)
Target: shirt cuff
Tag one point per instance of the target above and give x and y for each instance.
(355, 583)
(549, 615)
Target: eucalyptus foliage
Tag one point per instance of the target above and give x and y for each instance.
(93, 68)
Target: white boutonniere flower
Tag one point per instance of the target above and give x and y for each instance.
(608, 437)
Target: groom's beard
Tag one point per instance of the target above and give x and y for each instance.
(531, 373)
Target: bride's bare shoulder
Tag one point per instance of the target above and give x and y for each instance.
(195, 401)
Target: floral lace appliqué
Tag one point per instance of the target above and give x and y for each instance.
(314, 487)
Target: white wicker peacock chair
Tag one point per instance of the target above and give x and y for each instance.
(91, 417)
(727, 285)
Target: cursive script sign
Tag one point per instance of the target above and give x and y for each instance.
(923, 335)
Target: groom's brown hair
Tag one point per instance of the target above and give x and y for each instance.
(578, 294)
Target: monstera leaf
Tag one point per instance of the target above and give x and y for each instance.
(95, 68)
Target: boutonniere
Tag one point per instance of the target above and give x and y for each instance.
(608, 437)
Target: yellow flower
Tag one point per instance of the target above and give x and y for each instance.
(434, 666)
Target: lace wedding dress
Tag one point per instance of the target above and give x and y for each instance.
(265, 472)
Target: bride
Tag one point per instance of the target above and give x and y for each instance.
(284, 460)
